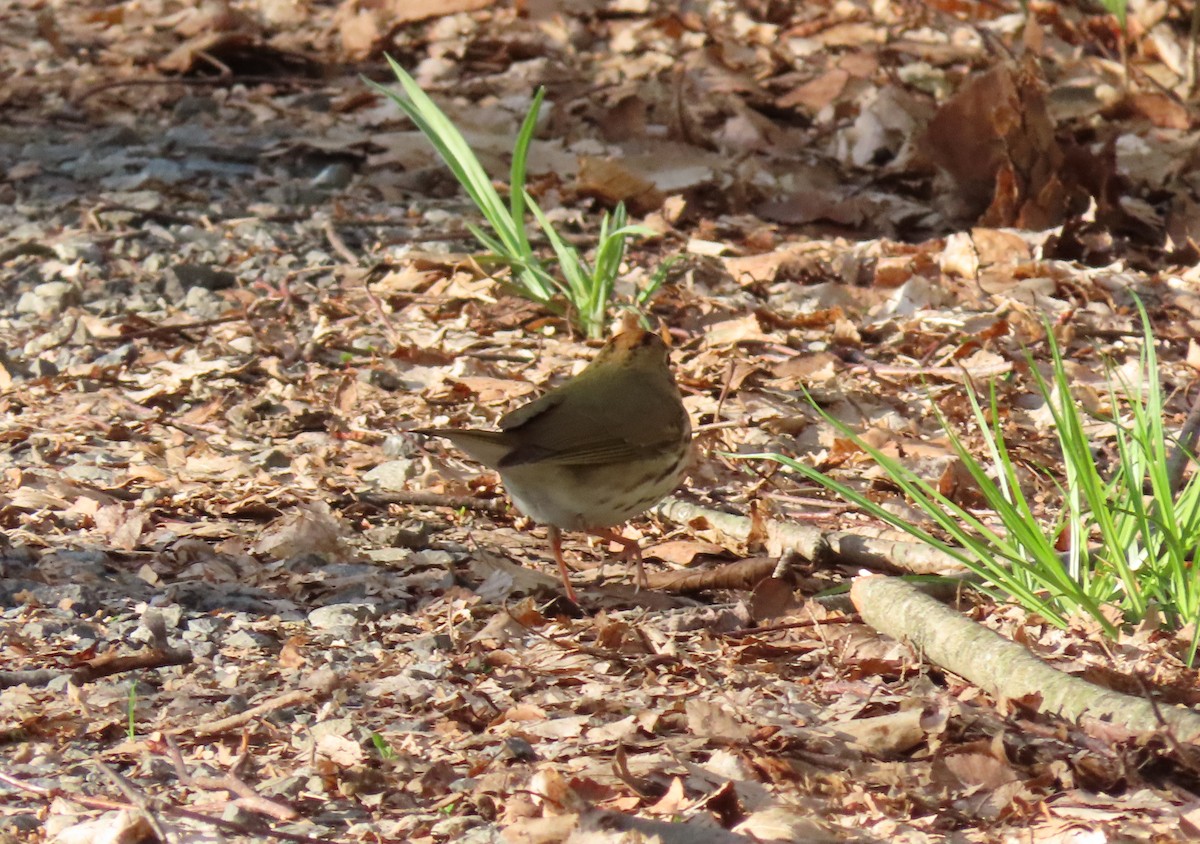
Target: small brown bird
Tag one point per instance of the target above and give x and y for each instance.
(596, 451)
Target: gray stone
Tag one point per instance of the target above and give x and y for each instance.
(20, 823)
(188, 107)
(519, 749)
(236, 814)
(453, 828)
(205, 626)
(288, 786)
(272, 459)
(313, 101)
(427, 645)
(434, 558)
(384, 379)
(334, 177)
(483, 834)
(42, 368)
(46, 153)
(200, 275)
(395, 474)
(48, 298)
(337, 616)
(88, 473)
(122, 137)
(250, 640)
(202, 650)
(427, 670)
(78, 249)
(171, 615)
(202, 302)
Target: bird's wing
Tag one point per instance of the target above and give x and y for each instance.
(576, 434)
(527, 413)
(586, 427)
(590, 453)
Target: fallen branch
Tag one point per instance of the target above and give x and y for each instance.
(247, 797)
(224, 725)
(743, 574)
(94, 669)
(1003, 668)
(846, 547)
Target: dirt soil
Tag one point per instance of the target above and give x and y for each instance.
(241, 601)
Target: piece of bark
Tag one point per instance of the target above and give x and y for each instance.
(743, 574)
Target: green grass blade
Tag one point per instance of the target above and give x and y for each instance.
(516, 182)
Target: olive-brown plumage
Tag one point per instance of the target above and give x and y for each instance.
(596, 451)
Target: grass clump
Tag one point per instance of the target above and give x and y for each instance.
(1122, 547)
(585, 290)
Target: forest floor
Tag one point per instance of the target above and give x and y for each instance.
(239, 602)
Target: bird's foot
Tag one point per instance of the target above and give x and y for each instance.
(631, 551)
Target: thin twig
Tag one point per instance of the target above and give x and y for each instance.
(948, 373)
(165, 808)
(743, 632)
(1185, 448)
(728, 381)
(339, 245)
(176, 328)
(570, 647)
(1193, 53)
(224, 725)
(143, 802)
(200, 81)
(248, 798)
(718, 426)
(494, 506)
(384, 317)
(155, 214)
(1183, 753)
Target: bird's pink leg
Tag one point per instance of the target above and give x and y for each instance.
(556, 546)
